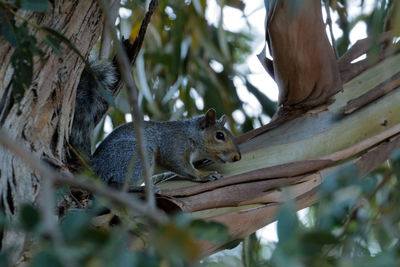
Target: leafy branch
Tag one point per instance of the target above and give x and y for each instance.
(134, 205)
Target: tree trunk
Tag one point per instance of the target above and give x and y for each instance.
(42, 120)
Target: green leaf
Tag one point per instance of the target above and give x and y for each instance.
(287, 222)
(75, 224)
(45, 259)
(181, 220)
(210, 231)
(22, 58)
(65, 40)
(8, 30)
(35, 5)
(146, 259)
(252, 251)
(395, 159)
(368, 185)
(5, 256)
(341, 178)
(54, 44)
(22, 62)
(313, 241)
(176, 244)
(29, 217)
(382, 259)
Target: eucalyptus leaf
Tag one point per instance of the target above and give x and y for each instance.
(35, 5)
(210, 231)
(54, 44)
(46, 259)
(8, 29)
(287, 223)
(29, 217)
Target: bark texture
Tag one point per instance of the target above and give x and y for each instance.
(304, 63)
(42, 120)
(298, 154)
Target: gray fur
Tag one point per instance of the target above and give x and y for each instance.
(171, 146)
(90, 105)
(164, 143)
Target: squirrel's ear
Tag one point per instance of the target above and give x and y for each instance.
(209, 118)
(223, 120)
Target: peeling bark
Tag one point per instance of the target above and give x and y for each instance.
(42, 120)
(297, 155)
(304, 62)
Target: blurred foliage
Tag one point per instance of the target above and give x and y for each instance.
(375, 18)
(132, 242)
(186, 66)
(355, 223)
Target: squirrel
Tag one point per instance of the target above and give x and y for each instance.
(90, 104)
(171, 146)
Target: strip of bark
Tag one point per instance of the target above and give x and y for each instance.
(236, 195)
(359, 48)
(380, 90)
(285, 170)
(375, 156)
(244, 222)
(247, 190)
(256, 132)
(350, 70)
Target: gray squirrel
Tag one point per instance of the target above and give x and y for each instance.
(90, 104)
(171, 146)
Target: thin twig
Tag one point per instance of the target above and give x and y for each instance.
(105, 48)
(329, 23)
(127, 77)
(134, 205)
(137, 45)
(353, 215)
(132, 50)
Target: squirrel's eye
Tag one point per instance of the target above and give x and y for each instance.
(220, 136)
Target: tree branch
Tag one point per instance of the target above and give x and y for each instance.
(137, 45)
(106, 39)
(329, 23)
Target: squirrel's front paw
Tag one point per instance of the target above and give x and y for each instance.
(205, 176)
(212, 176)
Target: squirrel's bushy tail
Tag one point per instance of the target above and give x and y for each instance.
(90, 104)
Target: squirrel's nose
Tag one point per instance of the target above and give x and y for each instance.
(236, 157)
